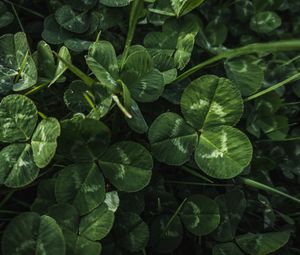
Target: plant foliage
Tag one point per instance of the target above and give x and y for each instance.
(149, 127)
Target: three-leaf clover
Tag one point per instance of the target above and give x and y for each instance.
(210, 106)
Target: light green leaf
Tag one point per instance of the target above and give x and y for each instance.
(127, 165)
(245, 74)
(265, 22)
(104, 54)
(200, 215)
(143, 81)
(76, 22)
(115, 3)
(210, 101)
(165, 239)
(223, 152)
(226, 249)
(48, 70)
(232, 205)
(132, 232)
(61, 67)
(103, 63)
(112, 200)
(44, 142)
(137, 123)
(83, 140)
(81, 185)
(97, 224)
(17, 69)
(262, 244)
(17, 167)
(18, 117)
(45, 61)
(182, 7)
(172, 140)
(30, 233)
(176, 39)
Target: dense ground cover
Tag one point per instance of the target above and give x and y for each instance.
(149, 127)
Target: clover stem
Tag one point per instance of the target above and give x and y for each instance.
(6, 198)
(23, 64)
(87, 96)
(85, 78)
(275, 86)
(268, 47)
(261, 186)
(35, 89)
(8, 212)
(17, 17)
(134, 15)
(201, 183)
(121, 107)
(173, 216)
(193, 172)
(42, 115)
(25, 9)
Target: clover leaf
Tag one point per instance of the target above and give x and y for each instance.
(200, 215)
(30, 233)
(144, 82)
(223, 152)
(172, 140)
(265, 22)
(176, 40)
(127, 165)
(262, 244)
(81, 185)
(71, 20)
(18, 118)
(97, 224)
(210, 101)
(43, 141)
(6, 17)
(17, 168)
(83, 140)
(17, 69)
(207, 104)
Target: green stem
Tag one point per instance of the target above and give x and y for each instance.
(42, 115)
(87, 97)
(23, 64)
(193, 172)
(261, 186)
(6, 198)
(173, 217)
(201, 183)
(121, 107)
(25, 9)
(17, 17)
(85, 78)
(135, 12)
(35, 89)
(276, 86)
(269, 47)
(8, 212)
